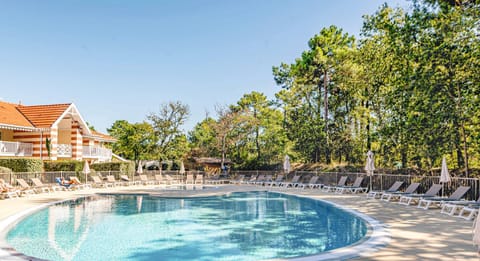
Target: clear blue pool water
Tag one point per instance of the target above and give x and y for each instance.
(238, 226)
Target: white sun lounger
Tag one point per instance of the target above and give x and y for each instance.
(397, 195)
(199, 179)
(254, 179)
(26, 189)
(7, 190)
(394, 188)
(79, 184)
(97, 182)
(45, 188)
(356, 187)
(312, 183)
(126, 180)
(111, 179)
(469, 212)
(239, 180)
(145, 181)
(189, 180)
(454, 207)
(292, 183)
(276, 182)
(426, 203)
(341, 182)
(412, 198)
(159, 180)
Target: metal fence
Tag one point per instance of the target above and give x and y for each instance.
(49, 177)
(380, 181)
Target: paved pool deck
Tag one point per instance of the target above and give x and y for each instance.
(415, 234)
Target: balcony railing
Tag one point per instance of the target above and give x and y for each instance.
(64, 150)
(97, 152)
(8, 148)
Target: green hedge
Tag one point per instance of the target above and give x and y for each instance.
(63, 165)
(123, 167)
(4, 170)
(22, 165)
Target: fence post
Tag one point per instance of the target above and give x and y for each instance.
(381, 182)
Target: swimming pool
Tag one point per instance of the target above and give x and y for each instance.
(238, 226)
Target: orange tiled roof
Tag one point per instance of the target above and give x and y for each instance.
(11, 116)
(43, 116)
(38, 116)
(103, 136)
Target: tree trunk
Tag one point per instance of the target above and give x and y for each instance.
(328, 158)
(257, 134)
(367, 105)
(222, 164)
(465, 149)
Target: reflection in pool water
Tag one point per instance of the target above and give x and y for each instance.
(240, 226)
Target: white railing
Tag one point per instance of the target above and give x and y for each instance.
(8, 148)
(64, 150)
(97, 152)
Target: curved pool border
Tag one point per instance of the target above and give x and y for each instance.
(377, 236)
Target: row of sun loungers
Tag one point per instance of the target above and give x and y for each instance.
(24, 188)
(340, 188)
(452, 205)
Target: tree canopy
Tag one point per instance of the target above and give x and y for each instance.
(408, 89)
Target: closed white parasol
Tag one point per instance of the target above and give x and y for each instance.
(286, 164)
(444, 174)
(86, 170)
(370, 166)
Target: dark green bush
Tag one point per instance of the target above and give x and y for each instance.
(63, 165)
(123, 167)
(22, 165)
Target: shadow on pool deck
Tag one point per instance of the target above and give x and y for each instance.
(416, 234)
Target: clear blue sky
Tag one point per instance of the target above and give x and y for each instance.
(121, 59)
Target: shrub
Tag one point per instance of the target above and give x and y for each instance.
(4, 170)
(123, 167)
(22, 165)
(63, 165)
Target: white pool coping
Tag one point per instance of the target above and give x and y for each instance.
(377, 237)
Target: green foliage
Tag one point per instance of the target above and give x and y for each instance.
(408, 89)
(22, 165)
(123, 167)
(317, 96)
(202, 139)
(166, 125)
(48, 145)
(426, 85)
(63, 165)
(4, 170)
(134, 141)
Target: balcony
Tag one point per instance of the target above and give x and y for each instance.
(64, 150)
(97, 153)
(20, 149)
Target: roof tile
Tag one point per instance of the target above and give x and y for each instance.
(43, 116)
(11, 116)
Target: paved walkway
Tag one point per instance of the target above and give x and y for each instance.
(416, 234)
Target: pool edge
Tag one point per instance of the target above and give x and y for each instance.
(377, 237)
